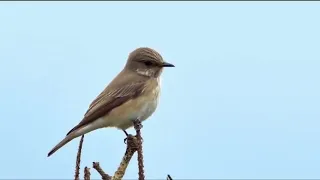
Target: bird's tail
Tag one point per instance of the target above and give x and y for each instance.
(76, 132)
(67, 139)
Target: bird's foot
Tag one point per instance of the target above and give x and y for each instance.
(125, 139)
(127, 135)
(132, 142)
(137, 126)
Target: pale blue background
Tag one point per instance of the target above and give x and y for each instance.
(242, 102)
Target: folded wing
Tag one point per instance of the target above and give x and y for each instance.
(108, 100)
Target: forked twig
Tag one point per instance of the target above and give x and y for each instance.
(134, 143)
(97, 167)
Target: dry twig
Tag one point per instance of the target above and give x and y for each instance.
(134, 143)
(132, 146)
(97, 167)
(169, 177)
(86, 173)
(137, 127)
(77, 170)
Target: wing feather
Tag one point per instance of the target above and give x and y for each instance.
(109, 99)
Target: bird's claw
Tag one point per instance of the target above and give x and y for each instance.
(137, 126)
(125, 139)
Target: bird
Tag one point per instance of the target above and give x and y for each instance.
(132, 95)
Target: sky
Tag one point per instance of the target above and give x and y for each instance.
(242, 102)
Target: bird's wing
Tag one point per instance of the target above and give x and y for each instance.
(109, 99)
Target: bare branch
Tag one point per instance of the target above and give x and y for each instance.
(87, 173)
(134, 143)
(137, 127)
(77, 170)
(169, 177)
(97, 167)
(132, 146)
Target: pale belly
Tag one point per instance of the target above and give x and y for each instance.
(140, 108)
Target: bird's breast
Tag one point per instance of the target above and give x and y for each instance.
(149, 100)
(142, 107)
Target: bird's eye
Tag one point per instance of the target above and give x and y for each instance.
(148, 63)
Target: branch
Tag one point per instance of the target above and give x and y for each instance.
(97, 167)
(77, 170)
(134, 143)
(132, 147)
(86, 173)
(137, 127)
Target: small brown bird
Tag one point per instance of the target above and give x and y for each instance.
(132, 94)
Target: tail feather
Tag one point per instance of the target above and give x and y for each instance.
(76, 132)
(60, 144)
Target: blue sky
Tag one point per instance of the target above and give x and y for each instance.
(242, 102)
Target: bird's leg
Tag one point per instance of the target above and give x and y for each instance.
(125, 132)
(125, 139)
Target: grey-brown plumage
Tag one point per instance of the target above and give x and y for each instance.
(132, 94)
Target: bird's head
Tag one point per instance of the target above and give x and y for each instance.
(147, 62)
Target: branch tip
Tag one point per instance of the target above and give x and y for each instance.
(78, 160)
(87, 173)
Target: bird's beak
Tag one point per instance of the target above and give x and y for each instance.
(165, 64)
